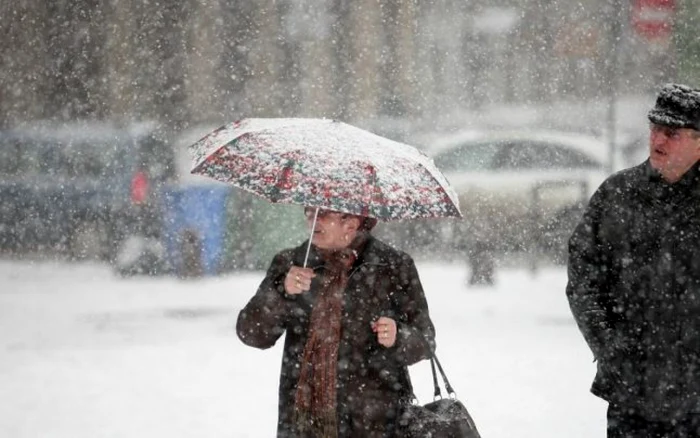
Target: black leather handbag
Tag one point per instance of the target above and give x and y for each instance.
(441, 418)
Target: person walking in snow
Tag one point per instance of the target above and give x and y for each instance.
(354, 319)
(634, 279)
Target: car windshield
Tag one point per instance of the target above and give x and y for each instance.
(477, 156)
(79, 159)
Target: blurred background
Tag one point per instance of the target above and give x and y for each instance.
(122, 273)
(98, 101)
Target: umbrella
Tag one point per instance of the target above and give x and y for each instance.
(326, 164)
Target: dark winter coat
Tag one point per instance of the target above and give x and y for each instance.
(634, 290)
(372, 380)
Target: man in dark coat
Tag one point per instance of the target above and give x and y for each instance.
(634, 279)
(384, 326)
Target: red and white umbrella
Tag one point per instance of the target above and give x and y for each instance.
(326, 164)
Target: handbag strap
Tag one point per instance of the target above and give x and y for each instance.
(436, 393)
(433, 360)
(450, 391)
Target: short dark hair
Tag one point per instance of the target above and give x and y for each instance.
(368, 223)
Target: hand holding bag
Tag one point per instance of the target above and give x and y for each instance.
(441, 418)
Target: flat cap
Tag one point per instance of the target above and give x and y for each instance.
(677, 106)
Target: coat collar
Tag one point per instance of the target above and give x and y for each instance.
(371, 255)
(687, 186)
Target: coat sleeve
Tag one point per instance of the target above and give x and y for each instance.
(589, 271)
(415, 339)
(263, 320)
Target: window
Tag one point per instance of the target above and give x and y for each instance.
(532, 155)
(89, 159)
(10, 156)
(19, 157)
(474, 156)
(24, 156)
(157, 158)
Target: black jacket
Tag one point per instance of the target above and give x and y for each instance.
(372, 380)
(634, 290)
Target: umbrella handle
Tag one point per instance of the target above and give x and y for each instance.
(308, 247)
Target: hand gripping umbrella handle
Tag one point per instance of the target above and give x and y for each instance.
(311, 237)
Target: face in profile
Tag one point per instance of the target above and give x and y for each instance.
(672, 151)
(333, 230)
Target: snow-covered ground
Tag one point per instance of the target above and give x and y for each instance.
(86, 354)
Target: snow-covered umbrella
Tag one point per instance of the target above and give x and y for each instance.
(326, 164)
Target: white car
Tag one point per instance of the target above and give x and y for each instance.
(521, 190)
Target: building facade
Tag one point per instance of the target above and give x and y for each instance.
(192, 61)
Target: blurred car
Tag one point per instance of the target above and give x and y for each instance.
(520, 190)
(79, 188)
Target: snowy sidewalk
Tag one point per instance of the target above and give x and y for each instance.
(85, 354)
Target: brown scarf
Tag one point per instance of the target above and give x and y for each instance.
(315, 400)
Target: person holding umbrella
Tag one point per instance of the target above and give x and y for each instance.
(352, 308)
(354, 318)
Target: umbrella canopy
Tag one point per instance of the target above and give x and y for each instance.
(326, 164)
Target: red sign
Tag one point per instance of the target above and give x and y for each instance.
(653, 19)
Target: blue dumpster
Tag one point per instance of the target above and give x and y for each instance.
(195, 228)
